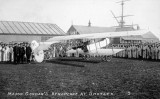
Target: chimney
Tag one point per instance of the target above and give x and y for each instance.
(138, 28)
(89, 24)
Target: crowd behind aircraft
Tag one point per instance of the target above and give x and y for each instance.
(146, 51)
(59, 47)
(88, 48)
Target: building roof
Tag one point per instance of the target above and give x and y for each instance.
(125, 29)
(138, 37)
(92, 29)
(29, 28)
(149, 35)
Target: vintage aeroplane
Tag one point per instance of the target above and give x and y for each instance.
(93, 49)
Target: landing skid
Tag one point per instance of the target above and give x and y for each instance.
(106, 58)
(103, 58)
(86, 57)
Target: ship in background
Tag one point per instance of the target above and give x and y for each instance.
(147, 37)
(121, 23)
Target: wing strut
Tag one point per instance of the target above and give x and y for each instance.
(106, 43)
(112, 48)
(95, 45)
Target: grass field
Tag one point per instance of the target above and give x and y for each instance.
(77, 79)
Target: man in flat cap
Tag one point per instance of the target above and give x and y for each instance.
(16, 53)
(0, 52)
(21, 53)
(28, 52)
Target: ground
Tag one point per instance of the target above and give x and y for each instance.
(78, 79)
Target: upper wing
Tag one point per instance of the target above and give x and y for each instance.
(56, 39)
(98, 35)
(44, 46)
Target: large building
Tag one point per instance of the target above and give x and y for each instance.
(147, 37)
(13, 31)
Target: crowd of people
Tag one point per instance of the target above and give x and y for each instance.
(22, 53)
(148, 51)
(17, 53)
(60, 49)
(56, 50)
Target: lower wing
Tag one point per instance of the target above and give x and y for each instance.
(104, 51)
(44, 46)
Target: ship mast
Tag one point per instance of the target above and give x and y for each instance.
(121, 23)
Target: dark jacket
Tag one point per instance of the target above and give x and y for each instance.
(16, 50)
(21, 51)
(28, 50)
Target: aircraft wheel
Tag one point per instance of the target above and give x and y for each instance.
(103, 58)
(107, 58)
(86, 57)
(39, 56)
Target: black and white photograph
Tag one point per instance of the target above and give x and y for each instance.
(79, 49)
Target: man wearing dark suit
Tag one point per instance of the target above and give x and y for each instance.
(28, 53)
(84, 48)
(21, 53)
(25, 57)
(16, 53)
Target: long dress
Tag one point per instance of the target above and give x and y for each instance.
(129, 52)
(3, 55)
(0, 53)
(139, 52)
(144, 52)
(152, 52)
(156, 53)
(148, 52)
(159, 52)
(8, 53)
(11, 58)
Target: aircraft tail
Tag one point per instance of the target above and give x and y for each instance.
(34, 44)
(105, 51)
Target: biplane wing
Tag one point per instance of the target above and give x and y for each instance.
(45, 45)
(97, 35)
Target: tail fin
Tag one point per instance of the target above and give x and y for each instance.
(34, 44)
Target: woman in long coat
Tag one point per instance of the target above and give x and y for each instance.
(3, 54)
(0, 52)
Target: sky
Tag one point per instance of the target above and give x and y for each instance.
(65, 13)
